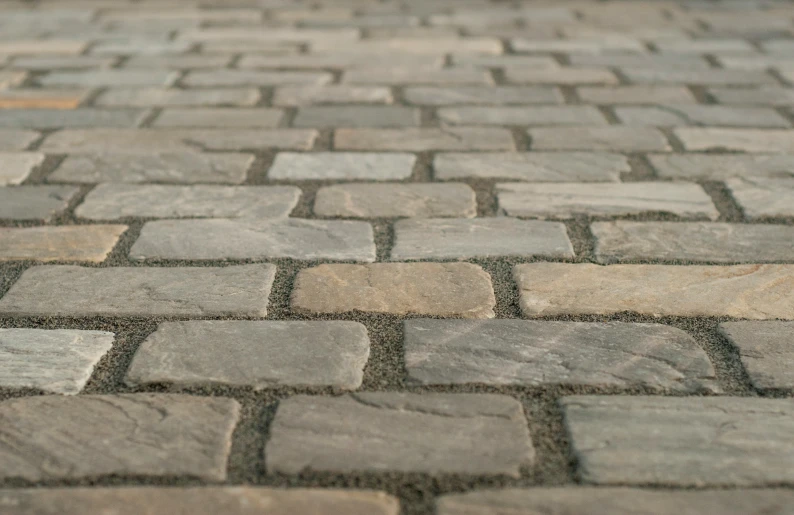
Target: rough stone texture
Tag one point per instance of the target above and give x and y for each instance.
(562, 76)
(767, 95)
(498, 95)
(72, 62)
(459, 290)
(517, 115)
(45, 46)
(761, 197)
(579, 45)
(419, 200)
(16, 139)
(742, 291)
(614, 501)
(34, 202)
(153, 97)
(644, 61)
(621, 139)
(74, 118)
(237, 500)
(174, 167)
(262, 354)
(523, 352)
(766, 350)
(109, 78)
(709, 115)
(413, 75)
(742, 140)
(704, 77)
(331, 94)
(386, 431)
(220, 117)
(643, 94)
(248, 238)
(342, 166)
(112, 201)
(692, 241)
(697, 441)
(341, 60)
(719, 167)
(479, 238)
(356, 116)
(16, 166)
(90, 243)
(201, 291)
(565, 200)
(42, 98)
(424, 139)
(178, 62)
(57, 361)
(221, 78)
(141, 434)
(532, 166)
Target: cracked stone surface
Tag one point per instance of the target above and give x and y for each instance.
(145, 434)
(396, 200)
(766, 350)
(434, 433)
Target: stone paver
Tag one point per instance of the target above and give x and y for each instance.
(767, 95)
(222, 78)
(219, 117)
(565, 200)
(142, 434)
(479, 238)
(419, 200)
(497, 95)
(262, 354)
(458, 290)
(515, 115)
(766, 350)
(761, 197)
(423, 139)
(736, 140)
(42, 98)
(76, 118)
(112, 201)
(91, 243)
(34, 202)
(434, 433)
(57, 361)
(614, 501)
(109, 78)
(563, 76)
(742, 291)
(676, 441)
(155, 97)
(719, 167)
(413, 75)
(704, 77)
(237, 500)
(255, 238)
(16, 139)
(342, 166)
(619, 139)
(523, 352)
(692, 241)
(170, 167)
(356, 116)
(201, 291)
(331, 94)
(16, 166)
(712, 116)
(644, 94)
(532, 166)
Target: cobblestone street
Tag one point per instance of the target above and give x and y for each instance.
(396, 257)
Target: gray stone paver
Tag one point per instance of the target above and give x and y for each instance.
(616, 139)
(423, 139)
(219, 117)
(532, 166)
(16, 139)
(766, 350)
(152, 97)
(496, 95)
(342, 166)
(763, 196)
(16, 166)
(34, 202)
(421, 200)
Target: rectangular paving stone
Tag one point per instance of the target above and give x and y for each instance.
(341, 166)
(172, 167)
(90, 243)
(565, 200)
(41, 46)
(112, 201)
(641, 94)
(424, 139)
(692, 241)
(496, 95)
(627, 60)
(34, 202)
(532, 166)
(768, 95)
(761, 197)
(60, 118)
(341, 59)
(400, 432)
(10, 79)
(516, 115)
(16, 139)
(41, 99)
(143, 434)
(563, 76)
(705, 46)
(524, 352)
(542, 62)
(459, 290)
(205, 500)
(281, 35)
(109, 78)
(479, 238)
(56, 62)
(692, 441)
(414, 75)
(718, 167)
(708, 115)
(178, 62)
(419, 200)
(255, 238)
(65, 290)
(140, 47)
(766, 350)
(56, 361)
(262, 354)
(420, 46)
(705, 77)
(160, 97)
(620, 139)
(16, 166)
(356, 116)
(744, 291)
(331, 94)
(579, 45)
(224, 77)
(219, 117)
(615, 501)
(151, 141)
(742, 140)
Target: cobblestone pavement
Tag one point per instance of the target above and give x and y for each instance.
(415, 257)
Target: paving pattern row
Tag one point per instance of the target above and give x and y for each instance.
(396, 257)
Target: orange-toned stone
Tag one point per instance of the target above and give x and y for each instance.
(41, 99)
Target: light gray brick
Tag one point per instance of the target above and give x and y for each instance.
(616, 43)
(140, 47)
(532, 166)
(332, 94)
(758, 62)
(418, 200)
(420, 46)
(767, 95)
(90, 243)
(11, 79)
(42, 46)
(342, 166)
(643, 94)
(500, 61)
(563, 76)
(706, 77)
(516, 115)
(400, 432)
(280, 35)
(620, 139)
(156, 97)
(744, 140)
(34, 202)
(663, 61)
(225, 77)
(76, 118)
(16, 139)
(109, 78)
(356, 116)
(761, 197)
(15, 167)
(718, 167)
(60, 290)
(766, 351)
(524, 352)
(178, 62)
(342, 60)
(261, 354)
(697, 441)
(424, 139)
(497, 95)
(413, 75)
(220, 117)
(709, 115)
(705, 46)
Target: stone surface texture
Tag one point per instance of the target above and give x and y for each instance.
(532, 166)
(90, 243)
(396, 200)
(34, 202)
(766, 350)
(342, 166)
